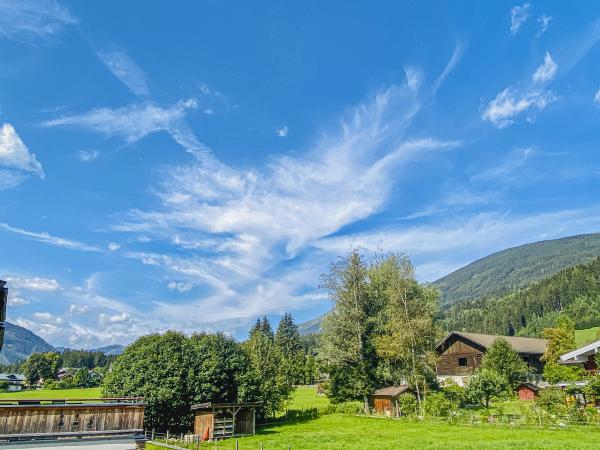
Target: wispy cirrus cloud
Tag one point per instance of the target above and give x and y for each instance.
(49, 239)
(518, 16)
(250, 222)
(135, 121)
(31, 20)
(456, 241)
(126, 70)
(544, 21)
(507, 170)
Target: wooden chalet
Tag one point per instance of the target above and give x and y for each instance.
(63, 418)
(584, 356)
(214, 421)
(385, 400)
(460, 353)
(527, 391)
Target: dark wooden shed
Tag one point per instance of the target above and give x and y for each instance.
(222, 420)
(385, 400)
(527, 391)
(62, 418)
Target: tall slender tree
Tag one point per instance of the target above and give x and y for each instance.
(266, 379)
(407, 335)
(348, 331)
(289, 343)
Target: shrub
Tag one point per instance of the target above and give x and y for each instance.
(438, 405)
(551, 401)
(407, 404)
(4, 385)
(485, 385)
(455, 393)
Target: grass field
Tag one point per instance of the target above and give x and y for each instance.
(306, 397)
(50, 394)
(347, 432)
(583, 337)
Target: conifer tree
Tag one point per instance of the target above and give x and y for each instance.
(289, 343)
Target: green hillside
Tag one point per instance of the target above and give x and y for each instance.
(517, 267)
(574, 292)
(587, 336)
(19, 343)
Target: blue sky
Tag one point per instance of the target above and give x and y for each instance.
(193, 165)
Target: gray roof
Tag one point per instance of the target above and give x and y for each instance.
(392, 391)
(527, 345)
(12, 377)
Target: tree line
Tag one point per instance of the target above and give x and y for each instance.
(173, 371)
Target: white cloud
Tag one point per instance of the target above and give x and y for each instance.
(138, 120)
(17, 301)
(597, 96)
(546, 71)
(544, 22)
(457, 241)
(88, 155)
(282, 132)
(123, 67)
(34, 284)
(518, 16)
(33, 19)
(14, 154)
(49, 239)
(48, 317)
(507, 170)
(113, 246)
(450, 66)
(238, 227)
(10, 179)
(180, 286)
(508, 104)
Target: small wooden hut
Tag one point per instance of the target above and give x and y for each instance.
(63, 418)
(385, 400)
(223, 420)
(527, 391)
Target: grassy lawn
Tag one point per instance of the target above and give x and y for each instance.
(362, 433)
(50, 394)
(587, 336)
(306, 397)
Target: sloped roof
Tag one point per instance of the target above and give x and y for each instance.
(519, 344)
(12, 377)
(531, 386)
(391, 391)
(581, 354)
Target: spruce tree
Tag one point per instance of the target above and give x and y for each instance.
(289, 343)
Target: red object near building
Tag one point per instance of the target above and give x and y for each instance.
(527, 391)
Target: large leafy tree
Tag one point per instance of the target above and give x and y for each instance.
(156, 367)
(501, 358)
(348, 330)
(289, 344)
(266, 379)
(41, 366)
(217, 367)
(407, 335)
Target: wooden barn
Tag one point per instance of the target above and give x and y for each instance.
(460, 353)
(385, 400)
(223, 420)
(52, 419)
(527, 391)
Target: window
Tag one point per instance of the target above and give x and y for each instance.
(462, 362)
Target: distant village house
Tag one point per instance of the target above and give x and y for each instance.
(461, 353)
(13, 381)
(584, 357)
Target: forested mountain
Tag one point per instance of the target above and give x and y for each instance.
(515, 268)
(574, 292)
(19, 343)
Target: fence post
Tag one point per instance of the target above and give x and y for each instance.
(237, 445)
(167, 435)
(152, 433)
